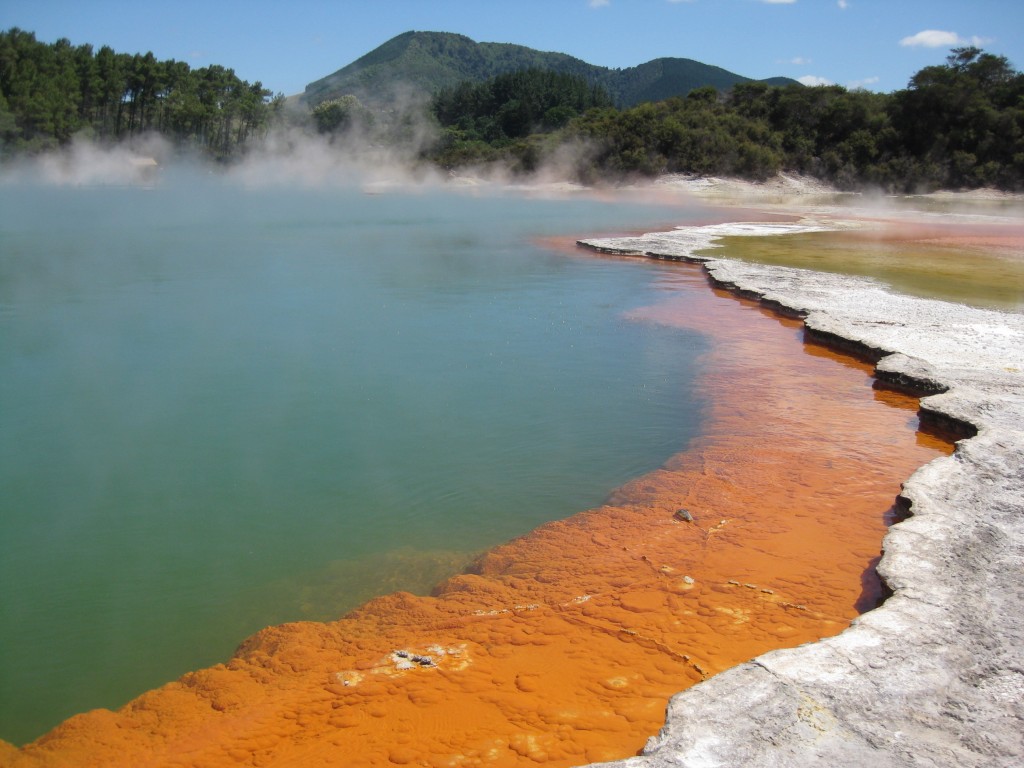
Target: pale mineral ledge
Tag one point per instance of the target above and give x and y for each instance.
(935, 676)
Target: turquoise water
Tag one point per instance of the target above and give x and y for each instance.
(223, 408)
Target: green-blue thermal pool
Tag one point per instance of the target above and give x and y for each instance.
(223, 408)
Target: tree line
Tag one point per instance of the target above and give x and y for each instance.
(50, 93)
(956, 125)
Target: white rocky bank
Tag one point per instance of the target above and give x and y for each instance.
(935, 676)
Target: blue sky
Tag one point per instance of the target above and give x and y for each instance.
(875, 44)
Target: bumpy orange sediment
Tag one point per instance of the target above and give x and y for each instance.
(563, 647)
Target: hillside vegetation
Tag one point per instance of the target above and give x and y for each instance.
(959, 124)
(418, 64)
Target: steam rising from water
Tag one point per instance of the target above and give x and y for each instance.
(85, 163)
(284, 158)
(291, 156)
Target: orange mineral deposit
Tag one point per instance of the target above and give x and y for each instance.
(562, 647)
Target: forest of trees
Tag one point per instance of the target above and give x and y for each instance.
(515, 105)
(486, 120)
(957, 125)
(50, 93)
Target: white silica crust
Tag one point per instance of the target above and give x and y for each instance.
(935, 676)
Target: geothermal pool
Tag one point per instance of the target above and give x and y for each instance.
(237, 406)
(227, 407)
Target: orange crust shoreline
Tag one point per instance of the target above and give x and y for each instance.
(563, 646)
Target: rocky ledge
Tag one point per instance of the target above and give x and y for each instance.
(935, 676)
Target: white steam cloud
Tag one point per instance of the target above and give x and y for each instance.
(84, 163)
(297, 157)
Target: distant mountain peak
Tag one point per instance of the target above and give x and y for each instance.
(417, 64)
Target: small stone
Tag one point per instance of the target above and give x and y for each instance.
(684, 515)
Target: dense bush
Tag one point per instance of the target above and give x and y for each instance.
(503, 110)
(960, 124)
(52, 92)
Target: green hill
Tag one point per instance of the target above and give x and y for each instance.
(662, 79)
(417, 64)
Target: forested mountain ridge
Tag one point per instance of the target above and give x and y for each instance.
(422, 63)
(425, 62)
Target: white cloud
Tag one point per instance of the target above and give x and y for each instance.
(937, 38)
(854, 84)
(814, 80)
(800, 61)
(931, 38)
(778, 2)
(843, 5)
(599, 3)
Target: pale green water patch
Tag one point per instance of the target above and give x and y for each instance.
(960, 273)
